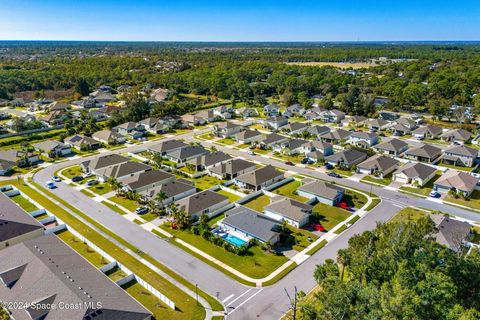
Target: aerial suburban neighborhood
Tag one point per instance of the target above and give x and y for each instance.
(239, 180)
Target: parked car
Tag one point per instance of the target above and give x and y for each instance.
(343, 205)
(290, 163)
(141, 210)
(77, 178)
(56, 179)
(334, 174)
(251, 153)
(328, 166)
(92, 182)
(304, 161)
(50, 185)
(319, 227)
(310, 162)
(88, 174)
(434, 194)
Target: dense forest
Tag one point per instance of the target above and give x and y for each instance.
(397, 271)
(435, 76)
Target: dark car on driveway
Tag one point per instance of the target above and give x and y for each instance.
(77, 178)
(328, 166)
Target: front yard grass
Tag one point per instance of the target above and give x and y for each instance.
(72, 172)
(296, 158)
(207, 182)
(262, 151)
(346, 173)
(116, 274)
(467, 169)
(258, 203)
(328, 216)
(83, 249)
(124, 202)
(101, 188)
(408, 214)
(354, 199)
(472, 202)
(303, 238)
(425, 190)
(385, 181)
(114, 207)
(149, 216)
(256, 263)
(227, 141)
(24, 203)
(231, 197)
(213, 221)
(289, 190)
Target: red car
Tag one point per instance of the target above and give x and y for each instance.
(343, 205)
(319, 227)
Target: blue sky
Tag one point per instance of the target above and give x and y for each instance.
(231, 20)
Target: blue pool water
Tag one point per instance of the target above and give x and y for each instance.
(234, 240)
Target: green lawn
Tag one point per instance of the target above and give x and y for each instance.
(227, 141)
(24, 203)
(473, 201)
(289, 190)
(258, 203)
(243, 146)
(42, 216)
(124, 202)
(231, 197)
(84, 250)
(476, 234)
(354, 199)
(303, 238)
(149, 216)
(207, 182)
(346, 173)
(186, 309)
(72, 172)
(468, 169)
(256, 263)
(88, 194)
(328, 216)
(373, 204)
(297, 158)
(214, 220)
(101, 188)
(206, 136)
(408, 214)
(262, 151)
(319, 246)
(385, 181)
(425, 190)
(137, 221)
(116, 274)
(114, 208)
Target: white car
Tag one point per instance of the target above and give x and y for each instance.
(56, 179)
(50, 185)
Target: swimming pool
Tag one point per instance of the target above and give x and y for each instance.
(234, 240)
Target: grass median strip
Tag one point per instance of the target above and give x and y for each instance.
(186, 305)
(114, 207)
(317, 247)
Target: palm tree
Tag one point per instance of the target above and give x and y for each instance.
(160, 197)
(343, 258)
(204, 222)
(180, 217)
(115, 184)
(152, 206)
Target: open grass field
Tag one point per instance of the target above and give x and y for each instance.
(340, 65)
(24, 203)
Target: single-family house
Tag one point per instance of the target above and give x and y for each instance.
(167, 146)
(6, 167)
(154, 125)
(53, 148)
(409, 123)
(80, 142)
(208, 160)
(130, 129)
(332, 116)
(271, 110)
(101, 162)
(317, 131)
(173, 191)
(460, 155)
(248, 136)
(184, 154)
(459, 182)
(249, 224)
(275, 122)
(337, 137)
(193, 119)
(223, 112)
(207, 115)
(294, 128)
(204, 202)
(414, 173)
(147, 180)
(315, 145)
(426, 153)
(377, 124)
(292, 211)
(20, 158)
(346, 158)
(363, 139)
(246, 112)
(294, 146)
(450, 232)
(379, 165)
(272, 140)
(394, 147)
(295, 110)
(231, 169)
(355, 121)
(388, 115)
(122, 171)
(109, 137)
(457, 136)
(259, 178)
(399, 129)
(322, 191)
(427, 132)
(227, 129)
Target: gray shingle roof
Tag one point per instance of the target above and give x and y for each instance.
(171, 189)
(416, 170)
(426, 151)
(200, 201)
(321, 189)
(251, 222)
(450, 232)
(187, 152)
(123, 169)
(457, 179)
(259, 176)
(428, 129)
(168, 145)
(54, 273)
(49, 145)
(338, 134)
(14, 221)
(457, 134)
(247, 134)
(273, 138)
(147, 178)
(392, 145)
(105, 161)
(348, 156)
(211, 159)
(379, 162)
(232, 167)
(462, 151)
(290, 209)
